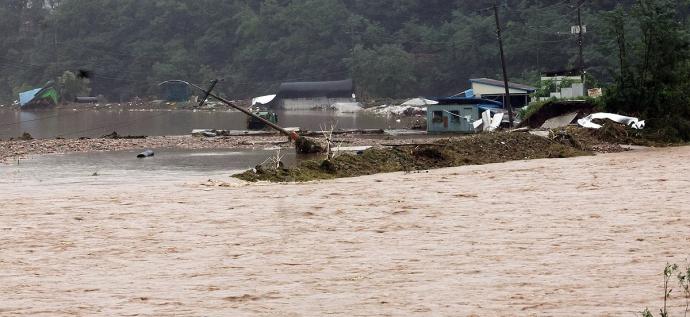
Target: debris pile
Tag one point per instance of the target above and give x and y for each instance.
(537, 115)
(415, 107)
(472, 150)
(401, 111)
(26, 137)
(588, 121)
(305, 145)
(116, 136)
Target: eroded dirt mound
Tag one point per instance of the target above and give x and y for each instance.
(608, 139)
(472, 150)
(553, 109)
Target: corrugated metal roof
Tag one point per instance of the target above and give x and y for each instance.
(27, 96)
(468, 101)
(499, 83)
(330, 89)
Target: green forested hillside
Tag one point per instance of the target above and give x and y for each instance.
(392, 48)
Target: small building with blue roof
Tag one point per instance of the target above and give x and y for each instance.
(457, 114)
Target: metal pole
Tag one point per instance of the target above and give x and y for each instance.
(503, 65)
(580, 41)
(210, 88)
(293, 135)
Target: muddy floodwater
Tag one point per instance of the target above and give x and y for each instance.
(93, 123)
(124, 166)
(586, 236)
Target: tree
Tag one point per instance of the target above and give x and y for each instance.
(653, 68)
(384, 71)
(70, 86)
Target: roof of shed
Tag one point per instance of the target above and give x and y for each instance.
(499, 83)
(467, 101)
(331, 89)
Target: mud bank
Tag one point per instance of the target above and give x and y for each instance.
(470, 150)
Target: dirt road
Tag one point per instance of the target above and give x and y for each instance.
(587, 236)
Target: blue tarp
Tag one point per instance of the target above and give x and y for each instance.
(467, 101)
(27, 96)
(488, 107)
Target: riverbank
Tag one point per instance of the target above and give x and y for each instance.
(438, 153)
(18, 149)
(492, 240)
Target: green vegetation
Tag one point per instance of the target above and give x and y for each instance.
(392, 48)
(653, 50)
(638, 49)
(71, 86)
(471, 150)
(683, 279)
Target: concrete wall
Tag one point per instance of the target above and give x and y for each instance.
(440, 119)
(578, 89)
(311, 103)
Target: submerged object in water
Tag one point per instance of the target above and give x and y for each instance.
(256, 124)
(147, 153)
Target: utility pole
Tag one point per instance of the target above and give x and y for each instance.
(580, 40)
(506, 99)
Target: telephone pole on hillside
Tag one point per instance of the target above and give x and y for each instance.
(506, 99)
(580, 39)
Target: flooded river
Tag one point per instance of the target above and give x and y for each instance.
(586, 236)
(93, 123)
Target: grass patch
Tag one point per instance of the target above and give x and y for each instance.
(471, 150)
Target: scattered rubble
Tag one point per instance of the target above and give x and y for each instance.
(14, 149)
(116, 136)
(537, 114)
(415, 107)
(26, 137)
(401, 111)
(305, 145)
(588, 121)
(470, 150)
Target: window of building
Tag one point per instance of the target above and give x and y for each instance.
(455, 116)
(437, 116)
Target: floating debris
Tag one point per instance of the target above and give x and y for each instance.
(145, 154)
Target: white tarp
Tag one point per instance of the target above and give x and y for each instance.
(633, 122)
(418, 102)
(486, 120)
(496, 121)
(263, 99)
(478, 124)
(487, 123)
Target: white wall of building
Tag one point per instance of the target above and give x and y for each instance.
(312, 103)
(484, 89)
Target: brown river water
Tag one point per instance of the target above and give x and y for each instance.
(586, 236)
(94, 123)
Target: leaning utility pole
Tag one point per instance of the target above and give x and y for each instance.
(580, 40)
(506, 100)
